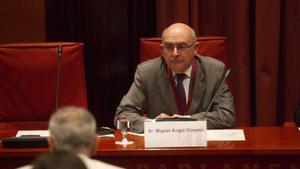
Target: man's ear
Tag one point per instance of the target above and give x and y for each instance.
(161, 46)
(196, 47)
(50, 144)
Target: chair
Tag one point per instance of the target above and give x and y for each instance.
(214, 46)
(29, 79)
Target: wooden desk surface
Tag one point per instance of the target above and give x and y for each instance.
(263, 146)
(259, 140)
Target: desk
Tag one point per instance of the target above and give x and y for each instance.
(264, 148)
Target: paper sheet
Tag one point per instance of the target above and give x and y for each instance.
(42, 133)
(107, 135)
(45, 133)
(226, 135)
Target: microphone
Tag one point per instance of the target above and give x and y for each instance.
(59, 57)
(217, 92)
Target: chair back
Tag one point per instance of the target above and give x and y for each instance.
(29, 79)
(214, 46)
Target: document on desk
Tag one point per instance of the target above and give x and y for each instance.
(225, 135)
(24, 133)
(218, 135)
(45, 133)
(105, 132)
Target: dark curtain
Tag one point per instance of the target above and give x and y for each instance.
(263, 44)
(110, 30)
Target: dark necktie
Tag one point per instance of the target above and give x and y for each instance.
(181, 92)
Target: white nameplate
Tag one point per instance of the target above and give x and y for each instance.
(175, 134)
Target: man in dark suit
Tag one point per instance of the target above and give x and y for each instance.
(180, 83)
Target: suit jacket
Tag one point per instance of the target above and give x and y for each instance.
(151, 92)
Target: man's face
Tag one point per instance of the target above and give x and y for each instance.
(178, 49)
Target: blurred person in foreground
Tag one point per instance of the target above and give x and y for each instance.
(73, 129)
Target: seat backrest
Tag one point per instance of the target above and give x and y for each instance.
(28, 80)
(214, 46)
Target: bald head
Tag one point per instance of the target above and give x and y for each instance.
(178, 30)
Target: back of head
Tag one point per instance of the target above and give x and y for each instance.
(58, 160)
(73, 129)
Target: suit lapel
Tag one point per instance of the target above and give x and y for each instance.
(199, 89)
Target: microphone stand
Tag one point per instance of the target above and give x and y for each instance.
(59, 58)
(217, 92)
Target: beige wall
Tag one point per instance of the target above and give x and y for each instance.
(22, 21)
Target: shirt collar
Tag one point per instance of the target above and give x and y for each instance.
(187, 72)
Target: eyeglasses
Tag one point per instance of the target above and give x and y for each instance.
(180, 48)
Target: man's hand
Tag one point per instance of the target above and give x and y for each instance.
(162, 115)
(176, 115)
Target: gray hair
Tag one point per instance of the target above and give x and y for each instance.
(73, 129)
